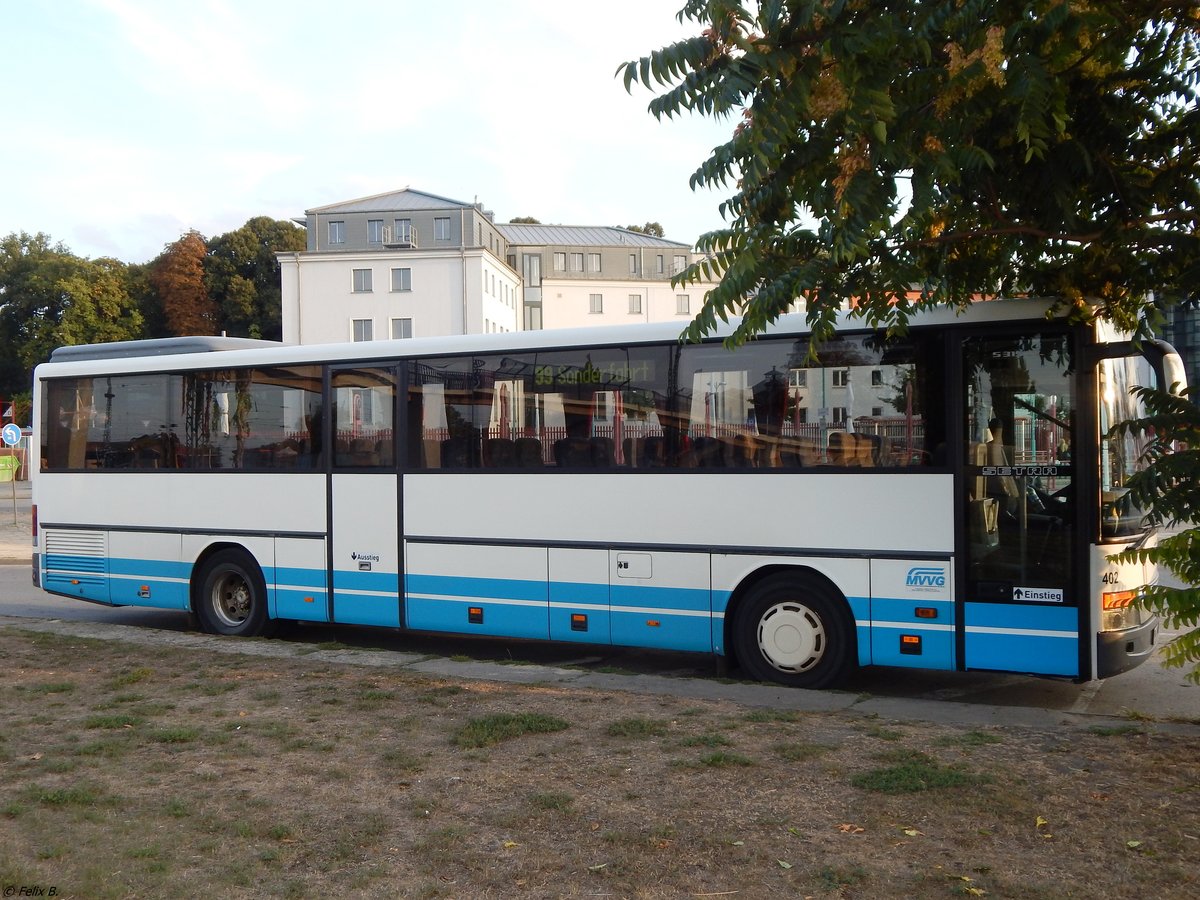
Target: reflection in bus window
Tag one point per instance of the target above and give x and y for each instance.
(860, 404)
(225, 419)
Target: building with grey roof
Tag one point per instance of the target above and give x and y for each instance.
(408, 262)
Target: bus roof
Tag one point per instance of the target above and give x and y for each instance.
(182, 353)
(157, 347)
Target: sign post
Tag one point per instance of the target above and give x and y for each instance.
(11, 433)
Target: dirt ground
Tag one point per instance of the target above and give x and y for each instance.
(128, 771)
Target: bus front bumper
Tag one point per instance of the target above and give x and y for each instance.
(1120, 651)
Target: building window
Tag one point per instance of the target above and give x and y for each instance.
(403, 233)
(841, 377)
(633, 264)
(337, 232)
(876, 378)
(362, 281)
(576, 262)
(593, 262)
(374, 231)
(595, 303)
(877, 412)
(799, 378)
(560, 262)
(441, 228)
(839, 415)
(683, 304)
(401, 328)
(635, 304)
(659, 265)
(678, 264)
(401, 279)
(363, 329)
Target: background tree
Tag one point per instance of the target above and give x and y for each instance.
(32, 301)
(1168, 487)
(1045, 147)
(896, 153)
(651, 228)
(524, 220)
(97, 307)
(242, 275)
(178, 279)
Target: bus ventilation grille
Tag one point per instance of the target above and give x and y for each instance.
(75, 550)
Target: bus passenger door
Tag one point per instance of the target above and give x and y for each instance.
(364, 522)
(1020, 604)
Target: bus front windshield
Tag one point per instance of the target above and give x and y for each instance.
(1122, 452)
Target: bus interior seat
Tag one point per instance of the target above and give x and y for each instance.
(456, 453)
(499, 453)
(573, 452)
(528, 452)
(603, 452)
(707, 451)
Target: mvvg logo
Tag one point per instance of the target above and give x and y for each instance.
(925, 576)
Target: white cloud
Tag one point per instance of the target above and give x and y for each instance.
(151, 118)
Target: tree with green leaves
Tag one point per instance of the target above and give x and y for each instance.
(1168, 487)
(891, 155)
(651, 228)
(98, 307)
(898, 154)
(49, 297)
(31, 301)
(242, 275)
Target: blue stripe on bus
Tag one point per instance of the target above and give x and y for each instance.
(353, 580)
(467, 587)
(149, 568)
(664, 598)
(314, 578)
(1022, 638)
(354, 609)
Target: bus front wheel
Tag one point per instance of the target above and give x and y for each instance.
(232, 596)
(795, 631)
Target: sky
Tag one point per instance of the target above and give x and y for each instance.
(127, 123)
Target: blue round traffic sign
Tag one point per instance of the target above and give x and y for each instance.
(11, 434)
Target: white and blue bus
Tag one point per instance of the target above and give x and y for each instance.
(948, 499)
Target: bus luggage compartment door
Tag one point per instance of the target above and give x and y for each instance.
(661, 599)
(912, 613)
(499, 591)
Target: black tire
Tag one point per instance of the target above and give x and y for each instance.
(794, 630)
(231, 596)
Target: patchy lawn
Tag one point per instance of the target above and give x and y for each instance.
(135, 771)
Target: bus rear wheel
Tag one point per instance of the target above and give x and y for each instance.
(795, 631)
(232, 596)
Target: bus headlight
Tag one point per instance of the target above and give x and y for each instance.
(1120, 611)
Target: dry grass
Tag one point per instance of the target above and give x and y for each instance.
(130, 771)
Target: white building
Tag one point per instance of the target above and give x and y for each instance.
(398, 265)
(408, 263)
(577, 276)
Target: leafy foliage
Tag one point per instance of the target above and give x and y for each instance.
(178, 279)
(1169, 488)
(654, 229)
(1046, 147)
(50, 297)
(242, 275)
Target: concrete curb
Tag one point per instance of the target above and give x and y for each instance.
(942, 712)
